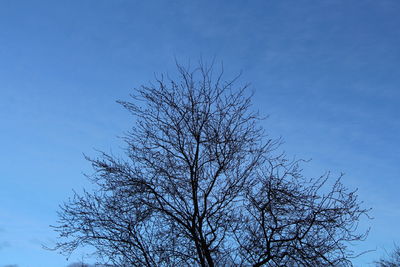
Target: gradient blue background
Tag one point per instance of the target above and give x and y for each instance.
(327, 72)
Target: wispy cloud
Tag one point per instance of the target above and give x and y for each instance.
(4, 244)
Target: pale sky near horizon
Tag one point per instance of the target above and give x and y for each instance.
(326, 72)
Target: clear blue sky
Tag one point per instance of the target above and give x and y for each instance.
(327, 73)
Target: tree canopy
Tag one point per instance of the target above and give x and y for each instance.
(203, 184)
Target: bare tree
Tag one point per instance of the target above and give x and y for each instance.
(392, 261)
(201, 184)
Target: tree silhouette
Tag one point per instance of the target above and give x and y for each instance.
(201, 184)
(392, 261)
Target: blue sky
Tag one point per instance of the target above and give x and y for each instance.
(327, 73)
